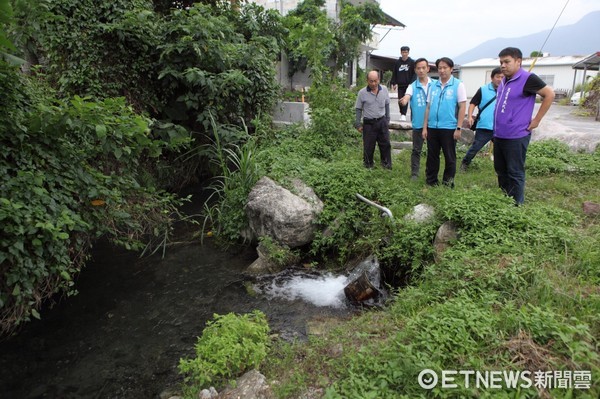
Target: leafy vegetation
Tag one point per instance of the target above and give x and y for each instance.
(130, 82)
(518, 290)
(593, 88)
(5, 15)
(113, 93)
(181, 67)
(324, 45)
(236, 174)
(70, 171)
(230, 344)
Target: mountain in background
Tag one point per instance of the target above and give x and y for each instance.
(580, 38)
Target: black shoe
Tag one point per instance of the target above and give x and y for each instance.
(464, 166)
(449, 184)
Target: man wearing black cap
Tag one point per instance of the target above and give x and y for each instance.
(402, 76)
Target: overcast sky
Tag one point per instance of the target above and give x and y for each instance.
(448, 28)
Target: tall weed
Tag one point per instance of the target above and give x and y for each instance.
(224, 209)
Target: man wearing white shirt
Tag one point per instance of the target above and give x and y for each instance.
(416, 96)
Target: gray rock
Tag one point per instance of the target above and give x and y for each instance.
(208, 393)
(312, 393)
(445, 236)
(276, 212)
(263, 264)
(402, 145)
(204, 394)
(168, 394)
(252, 385)
(421, 213)
(467, 136)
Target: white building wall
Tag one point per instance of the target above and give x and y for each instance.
(285, 6)
(300, 79)
(560, 77)
(474, 78)
(333, 8)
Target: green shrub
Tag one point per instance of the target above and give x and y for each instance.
(549, 157)
(69, 173)
(490, 224)
(229, 346)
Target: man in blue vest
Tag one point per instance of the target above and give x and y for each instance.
(513, 122)
(416, 94)
(485, 101)
(446, 105)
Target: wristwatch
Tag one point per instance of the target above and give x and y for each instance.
(458, 128)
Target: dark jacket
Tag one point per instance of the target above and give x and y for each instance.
(404, 72)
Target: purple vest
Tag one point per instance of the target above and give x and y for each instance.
(514, 109)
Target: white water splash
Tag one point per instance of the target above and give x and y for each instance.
(325, 290)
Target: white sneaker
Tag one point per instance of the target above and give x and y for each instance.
(402, 118)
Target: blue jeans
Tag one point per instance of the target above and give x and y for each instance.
(482, 137)
(509, 163)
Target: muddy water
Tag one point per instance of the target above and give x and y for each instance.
(133, 319)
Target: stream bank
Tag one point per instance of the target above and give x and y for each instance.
(122, 336)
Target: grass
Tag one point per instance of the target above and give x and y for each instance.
(519, 290)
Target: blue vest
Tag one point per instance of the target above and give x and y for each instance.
(418, 103)
(444, 104)
(486, 118)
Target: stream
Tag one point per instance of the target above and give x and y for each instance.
(122, 336)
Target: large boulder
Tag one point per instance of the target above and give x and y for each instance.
(288, 218)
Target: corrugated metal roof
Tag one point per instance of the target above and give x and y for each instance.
(591, 62)
(547, 61)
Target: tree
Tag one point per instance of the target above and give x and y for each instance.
(323, 45)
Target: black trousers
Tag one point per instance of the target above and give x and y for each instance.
(440, 140)
(401, 93)
(509, 163)
(415, 157)
(377, 133)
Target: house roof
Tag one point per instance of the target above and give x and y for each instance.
(591, 62)
(571, 60)
(389, 20)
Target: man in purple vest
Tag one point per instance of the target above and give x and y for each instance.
(513, 121)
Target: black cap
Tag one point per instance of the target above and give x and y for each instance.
(404, 48)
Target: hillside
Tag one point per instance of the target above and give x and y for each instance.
(576, 39)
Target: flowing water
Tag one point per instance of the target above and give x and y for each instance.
(133, 319)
